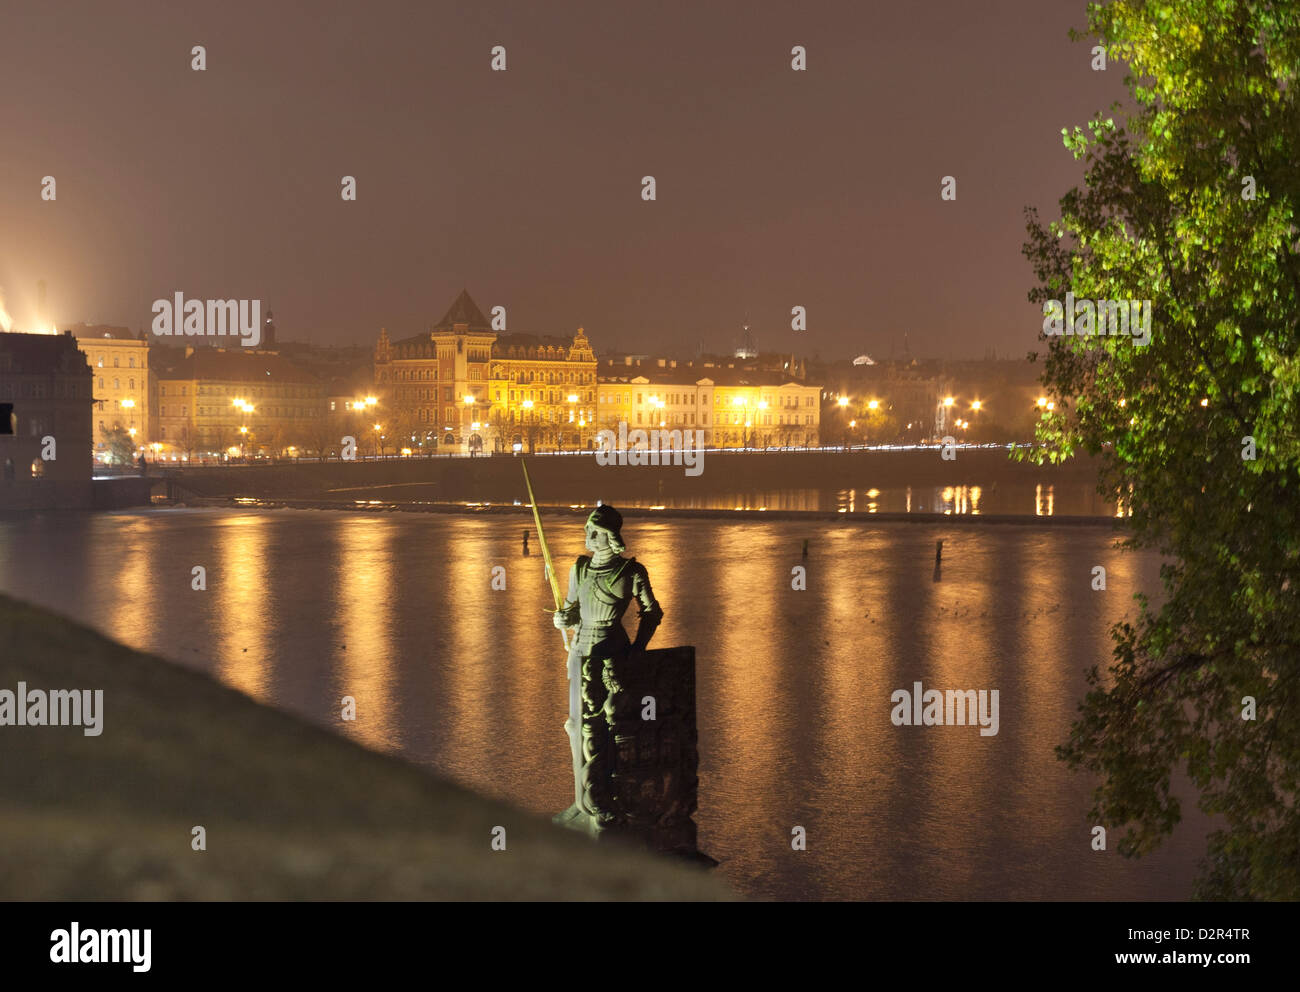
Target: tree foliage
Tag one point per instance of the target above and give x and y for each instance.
(1165, 214)
(120, 445)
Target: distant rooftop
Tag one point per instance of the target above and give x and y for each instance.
(237, 365)
(86, 331)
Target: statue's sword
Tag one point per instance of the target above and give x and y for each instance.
(546, 551)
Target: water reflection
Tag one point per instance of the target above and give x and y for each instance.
(1043, 499)
(363, 601)
(237, 584)
(398, 611)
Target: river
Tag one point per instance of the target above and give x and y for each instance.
(398, 611)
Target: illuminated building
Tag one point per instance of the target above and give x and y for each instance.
(218, 399)
(119, 362)
(517, 388)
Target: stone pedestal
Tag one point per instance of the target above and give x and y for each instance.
(653, 762)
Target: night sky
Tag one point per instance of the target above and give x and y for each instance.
(775, 187)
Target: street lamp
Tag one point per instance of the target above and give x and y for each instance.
(245, 408)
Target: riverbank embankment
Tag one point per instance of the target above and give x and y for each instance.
(288, 811)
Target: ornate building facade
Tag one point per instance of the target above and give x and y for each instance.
(461, 384)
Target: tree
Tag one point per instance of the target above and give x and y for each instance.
(121, 446)
(1191, 203)
(878, 426)
(325, 434)
(188, 438)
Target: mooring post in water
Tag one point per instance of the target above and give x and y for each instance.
(525, 543)
(938, 553)
(805, 547)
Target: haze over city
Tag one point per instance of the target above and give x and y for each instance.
(774, 188)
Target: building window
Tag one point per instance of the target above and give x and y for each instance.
(116, 361)
(130, 362)
(101, 382)
(131, 383)
(117, 383)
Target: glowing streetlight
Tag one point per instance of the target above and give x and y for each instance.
(948, 401)
(1205, 401)
(371, 401)
(873, 405)
(843, 401)
(975, 405)
(1042, 401)
(469, 400)
(573, 397)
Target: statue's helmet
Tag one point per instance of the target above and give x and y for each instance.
(608, 519)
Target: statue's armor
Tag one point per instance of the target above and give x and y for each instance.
(598, 597)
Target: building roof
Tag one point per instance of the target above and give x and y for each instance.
(84, 332)
(505, 342)
(236, 365)
(41, 354)
(691, 375)
(660, 377)
(463, 311)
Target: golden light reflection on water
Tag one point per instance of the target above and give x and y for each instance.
(1044, 500)
(238, 587)
(134, 622)
(793, 686)
(364, 594)
(748, 686)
